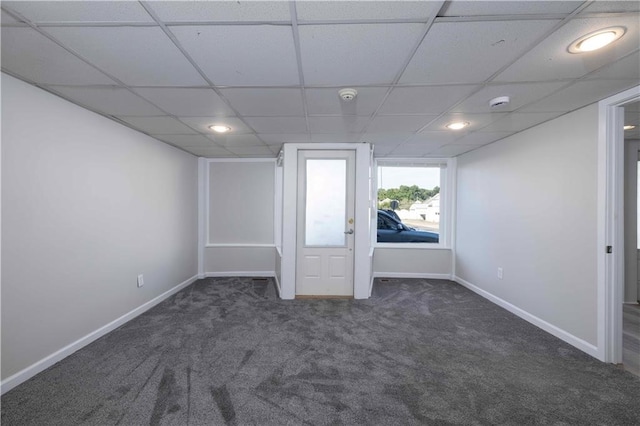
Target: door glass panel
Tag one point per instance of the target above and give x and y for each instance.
(325, 210)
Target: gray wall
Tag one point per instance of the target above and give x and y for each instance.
(240, 216)
(528, 204)
(412, 262)
(87, 205)
(631, 252)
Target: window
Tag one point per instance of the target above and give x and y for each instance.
(411, 201)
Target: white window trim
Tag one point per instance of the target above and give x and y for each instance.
(447, 201)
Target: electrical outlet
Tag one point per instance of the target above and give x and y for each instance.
(140, 280)
(499, 273)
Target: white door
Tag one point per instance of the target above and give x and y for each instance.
(324, 255)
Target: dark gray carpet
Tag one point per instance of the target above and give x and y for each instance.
(227, 351)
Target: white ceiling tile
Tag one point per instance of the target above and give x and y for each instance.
(580, 94)
(187, 140)
(479, 8)
(7, 19)
(274, 138)
(335, 137)
(278, 124)
(481, 138)
(627, 68)
(203, 123)
(242, 55)
(355, 54)
(470, 52)
(424, 100)
(276, 147)
(520, 95)
(221, 11)
(80, 11)
(416, 149)
(438, 137)
(187, 102)
(381, 150)
(212, 152)
(609, 6)
(344, 124)
(236, 140)
(519, 121)
(390, 138)
(109, 100)
(46, 62)
(399, 123)
(550, 59)
(139, 56)
(158, 125)
(327, 101)
(365, 10)
(453, 150)
(265, 102)
(251, 150)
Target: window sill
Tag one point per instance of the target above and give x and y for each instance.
(411, 246)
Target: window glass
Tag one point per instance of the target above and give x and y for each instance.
(409, 207)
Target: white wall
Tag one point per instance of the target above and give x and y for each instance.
(528, 204)
(87, 205)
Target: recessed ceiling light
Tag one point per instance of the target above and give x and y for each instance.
(629, 127)
(457, 125)
(219, 128)
(596, 40)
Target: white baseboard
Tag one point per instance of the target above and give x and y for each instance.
(410, 275)
(240, 274)
(540, 323)
(27, 373)
(278, 288)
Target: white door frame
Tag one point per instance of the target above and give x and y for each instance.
(610, 227)
(362, 240)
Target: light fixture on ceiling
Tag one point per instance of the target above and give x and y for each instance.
(457, 125)
(629, 127)
(596, 40)
(347, 95)
(218, 128)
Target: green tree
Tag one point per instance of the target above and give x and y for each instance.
(405, 195)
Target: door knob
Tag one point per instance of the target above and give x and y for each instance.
(350, 231)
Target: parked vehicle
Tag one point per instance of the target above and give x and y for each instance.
(391, 230)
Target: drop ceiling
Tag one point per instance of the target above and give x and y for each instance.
(272, 70)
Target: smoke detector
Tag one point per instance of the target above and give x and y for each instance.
(348, 95)
(499, 101)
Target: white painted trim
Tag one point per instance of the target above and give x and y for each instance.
(27, 373)
(241, 245)
(610, 224)
(404, 246)
(221, 274)
(202, 199)
(411, 275)
(538, 322)
(448, 172)
(275, 277)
